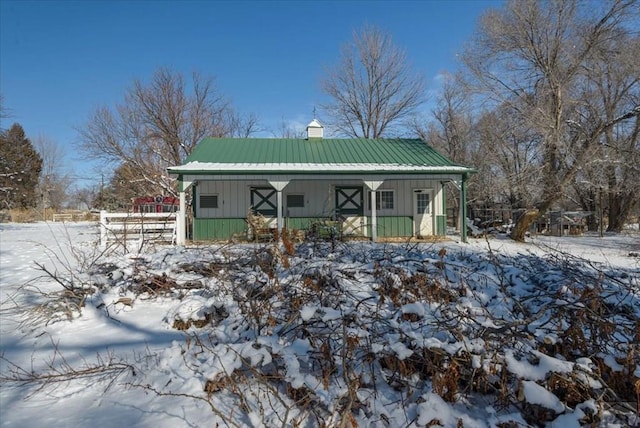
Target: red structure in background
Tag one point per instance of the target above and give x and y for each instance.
(156, 204)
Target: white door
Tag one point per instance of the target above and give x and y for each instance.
(422, 212)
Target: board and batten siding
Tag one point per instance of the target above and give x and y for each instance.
(234, 200)
(395, 222)
(318, 199)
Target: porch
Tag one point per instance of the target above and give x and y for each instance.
(404, 207)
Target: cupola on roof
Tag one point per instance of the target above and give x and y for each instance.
(315, 129)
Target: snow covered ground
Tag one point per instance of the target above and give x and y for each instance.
(430, 334)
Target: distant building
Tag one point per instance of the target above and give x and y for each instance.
(564, 223)
(155, 204)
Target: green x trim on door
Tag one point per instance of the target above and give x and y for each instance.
(349, 201)
(264, 201)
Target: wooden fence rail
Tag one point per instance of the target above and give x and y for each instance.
(123, 227)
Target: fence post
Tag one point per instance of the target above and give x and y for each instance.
(176, 228)
(103, 228)
(181, 220)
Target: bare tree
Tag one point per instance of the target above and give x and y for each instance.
(122, 187)
(623, 197)
(372, 88)
(286, 129)
(82, 198)
(607, 181)
(451, 130)
(533, 57)
(54, 180)
(243, 126)
(613, 87)
(5, 113)
(157, 126)
(509, 153)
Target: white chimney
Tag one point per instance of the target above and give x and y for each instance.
(315, 130)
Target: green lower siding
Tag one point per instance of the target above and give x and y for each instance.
(217, 228)
(224, 228)
(300, 223)
(441, 225)
(389, 226)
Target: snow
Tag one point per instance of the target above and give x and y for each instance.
(307, 312)
(310, 167)
(536, 394)
(401, 350)
(355, 311)
(539, 371)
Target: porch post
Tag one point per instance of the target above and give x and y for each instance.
(463, 208)
(279, 210)
(374, 218)
(279, 186)
(181, 220)
(443, 193)
(373, 185)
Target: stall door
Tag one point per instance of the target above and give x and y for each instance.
(423, 212)
(350, 209)
(264, 200)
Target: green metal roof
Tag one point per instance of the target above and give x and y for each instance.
(298, 155)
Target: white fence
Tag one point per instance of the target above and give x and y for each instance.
(123, 227)
(62, 217)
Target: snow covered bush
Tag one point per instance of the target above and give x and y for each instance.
(366, 333)
(360, 334)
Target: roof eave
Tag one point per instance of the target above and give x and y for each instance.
(458, 170)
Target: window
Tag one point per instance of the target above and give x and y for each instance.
(384, 200)
(295, 201)
(208, 201)
(422, 203)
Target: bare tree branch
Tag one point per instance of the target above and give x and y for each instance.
(373, 86)
(158, 125)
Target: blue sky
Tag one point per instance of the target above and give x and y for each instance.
(60, 60)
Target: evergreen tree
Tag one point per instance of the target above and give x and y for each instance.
(20, 167)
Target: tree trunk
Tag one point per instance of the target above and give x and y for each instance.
(524, 222)
(587, 199)
(615, 208)
(531, 215)
(620, 207)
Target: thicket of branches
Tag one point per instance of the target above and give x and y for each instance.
(341, 334)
